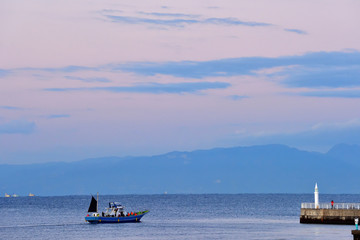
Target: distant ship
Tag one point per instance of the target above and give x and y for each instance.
(31, 195)
(15, 195)
(7, 195)
(115, 213)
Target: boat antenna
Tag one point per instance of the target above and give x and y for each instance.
(97, 202)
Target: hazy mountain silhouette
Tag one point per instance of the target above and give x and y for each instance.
(256, 169)
(348, 153)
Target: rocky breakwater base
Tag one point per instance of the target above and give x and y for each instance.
(341, 213)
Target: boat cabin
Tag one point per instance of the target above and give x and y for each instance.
(115, 209)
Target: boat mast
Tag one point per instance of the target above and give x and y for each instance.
(97, 202)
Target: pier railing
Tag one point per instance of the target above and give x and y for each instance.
(328, 205)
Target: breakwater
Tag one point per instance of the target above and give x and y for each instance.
(340, 213)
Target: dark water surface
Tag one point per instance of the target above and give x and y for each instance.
(178, 216)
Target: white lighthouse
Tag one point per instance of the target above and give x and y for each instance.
(316, 196)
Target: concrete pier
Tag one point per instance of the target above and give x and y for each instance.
(356, 234)
(329, 216)
(329, 213)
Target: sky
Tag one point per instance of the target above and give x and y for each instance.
(87, 78)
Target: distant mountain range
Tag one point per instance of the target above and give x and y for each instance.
(255, 169)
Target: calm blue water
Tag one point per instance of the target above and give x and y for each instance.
(238, 216)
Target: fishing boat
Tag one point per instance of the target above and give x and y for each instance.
(115, 213)
(7, 195)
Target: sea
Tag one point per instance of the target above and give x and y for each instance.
(171, 216)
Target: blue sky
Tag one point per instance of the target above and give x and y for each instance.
(149, 77)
